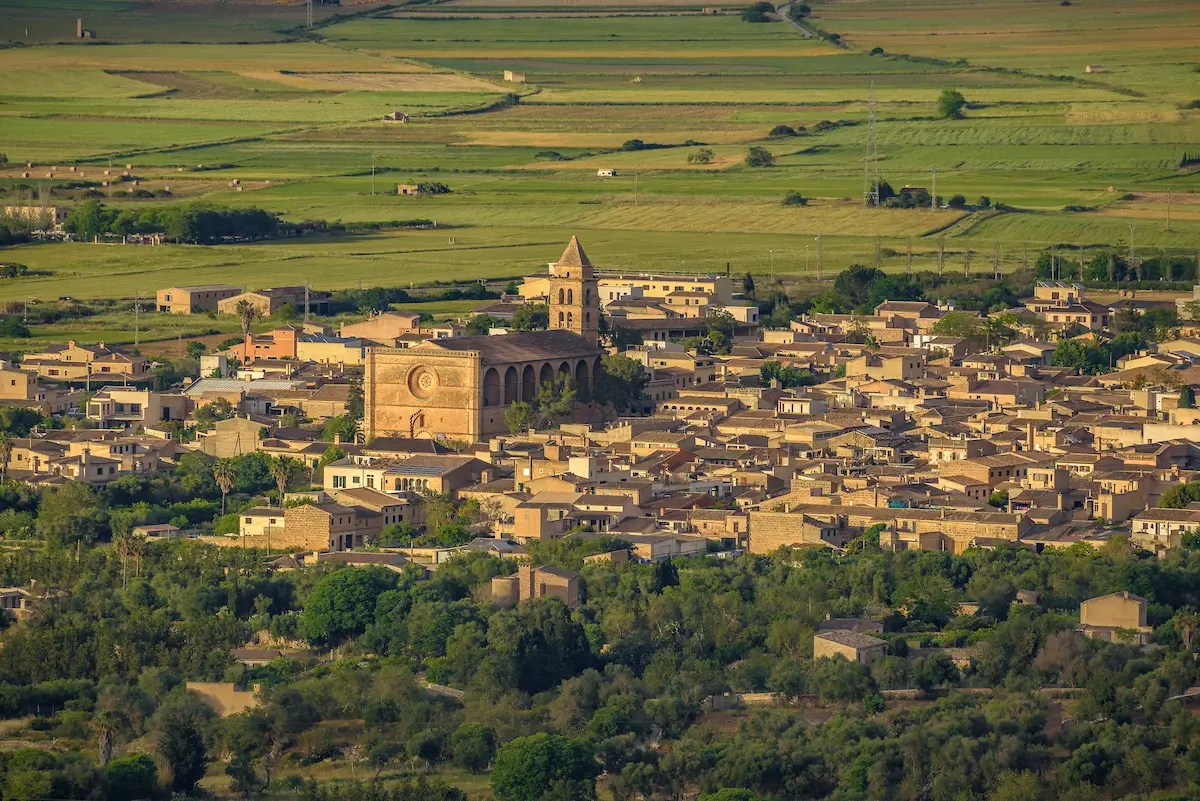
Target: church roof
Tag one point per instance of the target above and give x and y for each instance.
(573, 256)
(521, 346)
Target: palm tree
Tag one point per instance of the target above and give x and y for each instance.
(106, 725)
(247, 312)
(225, 473)
(6, 447)
(281, 470)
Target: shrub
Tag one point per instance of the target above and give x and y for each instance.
(782, 130)
(758, 12)
(951, 104)
(877, 51)
(759, 156)
(956, 202)
(794, 198)
(701, 156)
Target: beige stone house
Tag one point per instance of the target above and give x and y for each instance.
(852, 645)
(193, 299)
(1116, 617)
(531, 583)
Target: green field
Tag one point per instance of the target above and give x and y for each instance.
(295, 117)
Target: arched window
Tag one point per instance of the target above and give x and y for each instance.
(587, 297)
(561, 317)
(570, 296)
(570, 319)
(587, 318)
(560, 296)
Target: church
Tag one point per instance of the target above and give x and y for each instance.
(460, 387)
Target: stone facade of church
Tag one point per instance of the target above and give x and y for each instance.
(460, 387)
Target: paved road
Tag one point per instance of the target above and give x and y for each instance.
(781, 12)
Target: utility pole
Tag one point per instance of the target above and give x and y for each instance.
(968, 257)
(1025, 256)
(309, 20)
(1137, 269)
(372, 167)
(996, 262)
(806, 248)
(772, 265)
(1168, 228)
(820, 256)
(871, 158)
(933, 204)
(878, 251)
(635, 185)
(137, 309)
(941, 256)
(910, 255)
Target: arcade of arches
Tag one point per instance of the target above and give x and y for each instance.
(503, 386)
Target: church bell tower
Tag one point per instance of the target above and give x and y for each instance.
(575, 294)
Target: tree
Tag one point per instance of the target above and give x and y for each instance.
(721, 326)
(759, 156)
(531, 317)
(704, 155)
(482, 324)
(959, 324)
(6, 449)
(757, 12)
(855, 284)
(247, 313)
(956, 202)
(950, 104)
(794, 198)
(544, 766)
(555, 399)
(131, 778)
(545, 643)
(225, 474)
(1187, 400)
(342, 604)
(748, 285)
(69, 514)
(181, 724)
(282, 469)
(211, 412)
(622, 382)
(518, 417)
(473, 746)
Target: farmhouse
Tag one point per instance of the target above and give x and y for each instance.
(193, 299)
(269, 301)
(514, 77)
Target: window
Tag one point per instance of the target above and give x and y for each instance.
(271, 521)
(339, 482)
(371, 482)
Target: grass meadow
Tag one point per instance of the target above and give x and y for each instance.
(296, 118)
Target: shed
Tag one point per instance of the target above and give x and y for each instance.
(606, 173)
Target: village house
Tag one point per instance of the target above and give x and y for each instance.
(193, 299)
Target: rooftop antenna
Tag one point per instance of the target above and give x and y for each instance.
(871, 159)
